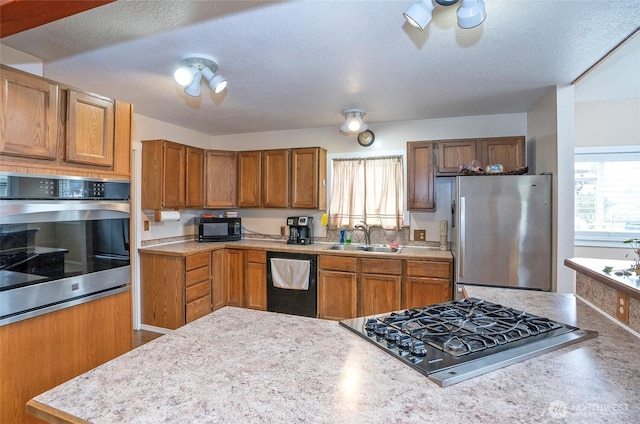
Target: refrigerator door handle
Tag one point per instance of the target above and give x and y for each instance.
(462, 237)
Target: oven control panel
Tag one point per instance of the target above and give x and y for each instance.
(29, 187)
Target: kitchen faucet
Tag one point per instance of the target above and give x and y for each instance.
(367, 232)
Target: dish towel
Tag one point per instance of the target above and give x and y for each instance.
(290, 273)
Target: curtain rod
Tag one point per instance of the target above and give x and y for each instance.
(369, 158)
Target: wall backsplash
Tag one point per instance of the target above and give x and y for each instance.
(378, 236)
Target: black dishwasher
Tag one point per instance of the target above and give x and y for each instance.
(300, 300)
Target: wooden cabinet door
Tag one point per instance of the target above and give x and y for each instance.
(39, 353)
(337, 295)
(308, 178)
(453, 153)
(90, 129)
(421, 291)
(29, 120)
(379, 294)
(506, 151)
(123, 136)
(420, 176)
(218, 279)
(194, 177)
(249, 179)
(173, 175)
(235, 277)
(162, 293)
(275, 178)
(220, 179)
(256, 280)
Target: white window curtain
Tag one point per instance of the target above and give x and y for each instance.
(368, 190)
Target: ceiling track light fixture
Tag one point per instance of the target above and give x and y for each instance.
(470, 13)
(193, 68)
(353, 123)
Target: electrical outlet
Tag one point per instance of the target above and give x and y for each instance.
(146, 225)
(282, 229)
(419, 235)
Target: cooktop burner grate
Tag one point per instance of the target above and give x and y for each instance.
(472, 333)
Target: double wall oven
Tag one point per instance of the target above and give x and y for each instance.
(63, 241)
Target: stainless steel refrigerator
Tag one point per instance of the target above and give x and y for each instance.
(502, 232)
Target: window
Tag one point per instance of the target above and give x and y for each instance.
(607, 194)
(367, 189)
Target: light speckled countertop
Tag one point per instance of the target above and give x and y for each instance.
(594, 268)
(240, 365)
(191, 247)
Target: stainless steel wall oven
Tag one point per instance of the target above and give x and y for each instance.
(63, 241)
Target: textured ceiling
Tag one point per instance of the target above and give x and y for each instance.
(298, 64)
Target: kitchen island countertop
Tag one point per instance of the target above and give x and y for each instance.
(240, 365)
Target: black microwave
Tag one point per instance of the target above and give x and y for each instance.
(219, 229)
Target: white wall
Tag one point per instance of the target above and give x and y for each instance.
(391, 138)
(551, 135)
(607, 123)
(19, 60)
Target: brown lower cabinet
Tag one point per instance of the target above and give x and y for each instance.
(380, 286)
(337, 287)
(427, 283)
(180, 289)
(175, 290)
(255, 280)
(351, 286)
(41, 352)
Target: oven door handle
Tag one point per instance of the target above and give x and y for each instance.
(12, 212)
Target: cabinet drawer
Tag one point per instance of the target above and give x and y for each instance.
(428, 269)
(198, 275)
(258, 256)
(198, 308)
(197, 261)
(381, 266)
(197, 290)
(337, 263)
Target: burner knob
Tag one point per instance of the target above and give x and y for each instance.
(404, 342)
(393, 336)
(417, 348)
(371, 324)
(381, 329)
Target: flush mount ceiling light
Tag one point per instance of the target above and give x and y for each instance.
(353, 123)
(471, 13)
(193, 68)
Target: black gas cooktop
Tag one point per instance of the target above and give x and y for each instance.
(454, 341)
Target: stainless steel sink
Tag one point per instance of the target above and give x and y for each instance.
(365, 248)
(350, 247)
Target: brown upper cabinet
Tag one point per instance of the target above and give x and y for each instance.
(249, 185)
(281, 178)
(263, 179)
(30, 118)
(275, 178)
(421, 175)
(194, 177)
(308, 178)
(163, 175)
(90, 127)
(48, 127)
(507, 151)
(220, 179)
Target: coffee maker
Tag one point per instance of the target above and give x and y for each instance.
(300, 229)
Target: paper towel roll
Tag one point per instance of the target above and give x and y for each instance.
(161, 216)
